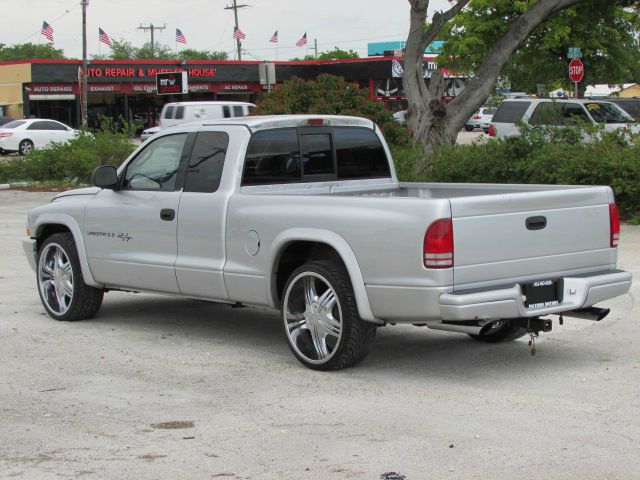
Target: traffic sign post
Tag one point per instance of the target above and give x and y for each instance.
(576, 72)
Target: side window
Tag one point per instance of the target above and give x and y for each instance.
(40, 126)
(574, 113)
(546, 113)
(168, 113)
(510, 112)
(317, 157)
(226, 111)
(360, 154)
(238, 111)
(179, 112)
(273, 156)
(205, 164)
(156, 167)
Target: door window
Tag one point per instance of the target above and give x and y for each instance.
(156, 167)
(46, 125)
(574, 113)
(238, 111)
(168, 111)
(204, 169)
(179, 112)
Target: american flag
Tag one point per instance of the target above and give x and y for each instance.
(103, 37)
(303, 41)
(180, 36)
(274, 37)
(47, 31)
(239, 34)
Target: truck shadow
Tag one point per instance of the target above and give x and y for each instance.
(404, 349)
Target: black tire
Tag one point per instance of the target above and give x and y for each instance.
(61, 287)
(25, 147)
(305, 316)
(468, 128)
(505, 330)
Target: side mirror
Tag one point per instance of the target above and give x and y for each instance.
(105, 176)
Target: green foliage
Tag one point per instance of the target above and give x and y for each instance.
(542, 155)
(191, 54)
(25, 51)
(335, 54)
(607, 33)
(331, 95)
(72, 161)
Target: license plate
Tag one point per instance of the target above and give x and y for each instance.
(542, 294)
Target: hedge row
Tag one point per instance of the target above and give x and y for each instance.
(72, 161)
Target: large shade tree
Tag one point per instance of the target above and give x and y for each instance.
(435, 122)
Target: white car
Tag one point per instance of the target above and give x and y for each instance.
(480, 119)
(22, 136)
(149, 132)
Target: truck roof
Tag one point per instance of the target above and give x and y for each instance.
(282, 121)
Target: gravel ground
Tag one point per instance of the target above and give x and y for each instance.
(97, 399)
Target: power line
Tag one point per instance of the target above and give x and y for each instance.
(151, 27)
(66, 12)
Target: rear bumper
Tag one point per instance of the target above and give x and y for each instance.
(579, 291)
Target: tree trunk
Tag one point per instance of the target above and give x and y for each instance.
(432, 122)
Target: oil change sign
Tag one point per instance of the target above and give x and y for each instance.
(172, 83)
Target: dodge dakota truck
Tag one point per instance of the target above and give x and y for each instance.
(305, 214)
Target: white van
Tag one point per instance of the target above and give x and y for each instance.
(176, 113)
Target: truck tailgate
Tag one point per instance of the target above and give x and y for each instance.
(531, 235)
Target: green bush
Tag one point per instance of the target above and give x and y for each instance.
(72, 161)
(330, 95)
(548, 157)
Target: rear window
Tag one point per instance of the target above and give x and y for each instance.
(273, 156)
(179, 112)
(168, 112)
(14, 124)
(359, 154)
(339, 153)
(510, 112)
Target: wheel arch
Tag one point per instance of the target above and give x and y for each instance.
(49, 224)
(294, 247)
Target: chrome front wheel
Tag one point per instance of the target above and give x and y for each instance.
(55, 279)
(62, 290)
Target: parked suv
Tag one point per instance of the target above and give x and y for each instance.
(536, 111)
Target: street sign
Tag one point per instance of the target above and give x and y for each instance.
(576, 70)
(172, 83)
(574, 52)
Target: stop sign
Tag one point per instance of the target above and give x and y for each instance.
(576, 70)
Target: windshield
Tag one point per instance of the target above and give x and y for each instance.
(14, 124)
(606, 113)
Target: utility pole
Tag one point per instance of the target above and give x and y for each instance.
(315, 46)
(85, 89)
(235, 8)
(152, 28)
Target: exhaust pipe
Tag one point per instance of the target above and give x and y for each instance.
(460, 328)
(589, 313)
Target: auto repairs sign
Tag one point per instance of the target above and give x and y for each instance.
(172, 83)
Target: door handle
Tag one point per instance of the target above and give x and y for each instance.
(167, 214)
(536, 223)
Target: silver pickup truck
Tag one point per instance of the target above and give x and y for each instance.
(305, 214)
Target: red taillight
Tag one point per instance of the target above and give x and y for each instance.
(477, 117)
(318, 122)
(492, 130)
(614, 225)
(438, 244)
(5, 134)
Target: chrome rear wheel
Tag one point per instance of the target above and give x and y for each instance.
(55, 279)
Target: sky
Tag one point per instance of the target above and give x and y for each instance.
(346, 24)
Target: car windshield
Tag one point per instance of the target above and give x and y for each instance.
(14, 124)
(606, 113)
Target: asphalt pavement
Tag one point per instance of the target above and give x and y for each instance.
(160, 388)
